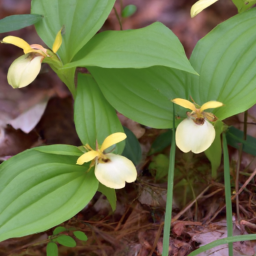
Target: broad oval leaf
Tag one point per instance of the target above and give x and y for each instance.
(155, 45)
(39, 191)
(66, 241)
(143, 95)
(226, 63)
(81, 19)
(80, 235)
(16, 22)
(52, 249)
(95, 118)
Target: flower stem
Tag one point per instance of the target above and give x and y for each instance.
(118, 18)
(168, 213)
(228, 193)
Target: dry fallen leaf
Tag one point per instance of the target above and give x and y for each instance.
(210, 234)
(29, 118)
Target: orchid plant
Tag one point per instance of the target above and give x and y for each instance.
(136, 72)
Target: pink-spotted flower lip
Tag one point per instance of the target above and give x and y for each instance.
(25, 69)
(111, 170)
(196, 133)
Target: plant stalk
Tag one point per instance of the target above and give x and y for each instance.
(168, 213)
(228, 193)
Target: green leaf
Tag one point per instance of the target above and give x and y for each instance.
(129, 10)
(143, 95)
(58, 230)
(235, 139)
(132, 148)
(52, 249)
(81, 20)
(16, 22)
(243, 5)
(226, 66)
(161, 142)
(154, 45)
(95, 118)
(67, 76)
(66, 241)
(60, 150)
(159, 166)
(110, 194)
(80, 235)
(214, 152)
(39, 191)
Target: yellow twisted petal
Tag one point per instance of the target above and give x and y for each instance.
(18, 42)
(87, 157)
(184, 103)
(112, 140)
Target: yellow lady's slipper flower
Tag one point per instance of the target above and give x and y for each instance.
(25, 69)
(195, 133)
(110, 169)
(200, 6)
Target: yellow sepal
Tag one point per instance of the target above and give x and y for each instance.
(211, 104)
(87, 157)
(184, 103)
(57, 42)
(112, 140)
(18, 42)
(200, 6)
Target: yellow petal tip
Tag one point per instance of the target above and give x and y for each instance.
(112, 140)
(184, 103)
(57, 42)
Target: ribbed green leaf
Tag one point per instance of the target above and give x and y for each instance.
(143, 94)
(235, 139)
(95, 118)
(132, 148)
(60, 150)
(155, 45)
(226, 64)
(39, 191)
(110, 194)
(81, 20)
(16, 22)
